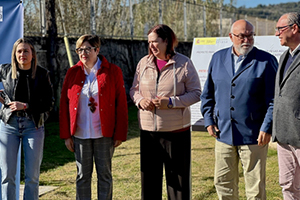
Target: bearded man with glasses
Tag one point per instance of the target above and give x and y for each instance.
(237, 104)
(286, 128)
(93, 116)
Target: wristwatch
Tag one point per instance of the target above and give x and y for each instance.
(170, 104)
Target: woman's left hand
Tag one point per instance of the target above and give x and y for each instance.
(16, 105)
(117, 143)
(161, 102)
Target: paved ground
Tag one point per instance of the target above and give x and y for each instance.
(42, 190)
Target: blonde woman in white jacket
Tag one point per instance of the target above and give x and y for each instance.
(166, 83)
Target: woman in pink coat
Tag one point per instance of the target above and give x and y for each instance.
(166, 83)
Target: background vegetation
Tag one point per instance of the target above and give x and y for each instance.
(271, 12)
(115, 19)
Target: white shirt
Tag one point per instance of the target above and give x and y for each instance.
(88, 123)
(294, 51)
(237, 60)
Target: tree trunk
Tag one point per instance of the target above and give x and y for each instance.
(51, 47)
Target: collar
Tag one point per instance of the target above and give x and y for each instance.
(292, 53)
(241, 57)
(151, 61)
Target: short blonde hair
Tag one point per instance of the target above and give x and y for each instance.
(14, 62)
(94, 40)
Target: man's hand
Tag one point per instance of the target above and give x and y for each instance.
(263, 138)
(212, 130)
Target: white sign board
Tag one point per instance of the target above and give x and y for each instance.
(203, 49)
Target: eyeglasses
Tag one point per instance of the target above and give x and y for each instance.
(243, 36)
(86, 50)
(92, 104)
(283, 28)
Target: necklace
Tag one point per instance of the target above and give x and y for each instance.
(92, 104)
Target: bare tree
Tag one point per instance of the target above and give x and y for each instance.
(51, 42)
(112, 17)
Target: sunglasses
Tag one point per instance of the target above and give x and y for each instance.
(92, 104)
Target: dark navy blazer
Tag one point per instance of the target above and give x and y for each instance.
(240, 104)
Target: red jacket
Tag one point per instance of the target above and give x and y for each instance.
(112, 100)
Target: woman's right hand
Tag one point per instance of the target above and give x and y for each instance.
(146, 104)
(16, 105)
(69, 144)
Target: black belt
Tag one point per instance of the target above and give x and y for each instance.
(20, 113)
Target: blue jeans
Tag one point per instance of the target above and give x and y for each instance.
(20, 130)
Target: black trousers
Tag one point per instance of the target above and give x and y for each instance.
(169, 150)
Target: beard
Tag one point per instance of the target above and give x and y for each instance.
(244, 48)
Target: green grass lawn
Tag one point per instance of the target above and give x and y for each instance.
(59, 169)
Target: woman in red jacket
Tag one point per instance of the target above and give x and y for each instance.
(93, 116)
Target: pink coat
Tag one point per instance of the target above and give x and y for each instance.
(112, 100)
(178, 79)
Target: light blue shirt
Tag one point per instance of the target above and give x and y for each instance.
(238, 60)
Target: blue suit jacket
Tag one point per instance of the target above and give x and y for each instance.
(240, 104)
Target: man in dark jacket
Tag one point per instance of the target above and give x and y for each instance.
(286, 128)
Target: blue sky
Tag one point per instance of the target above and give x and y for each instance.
(254, 3)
